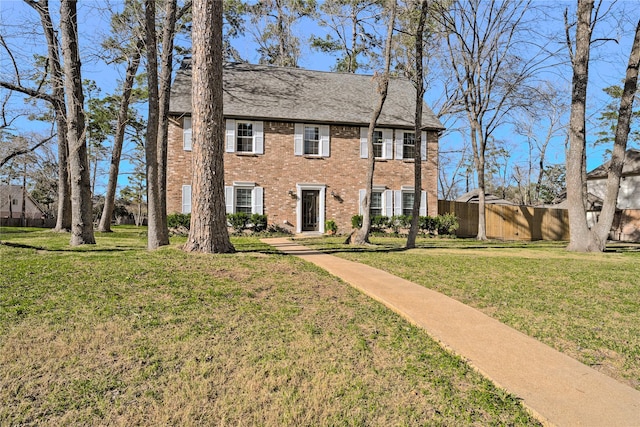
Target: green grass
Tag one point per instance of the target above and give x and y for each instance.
(113, 334)
(585, 305)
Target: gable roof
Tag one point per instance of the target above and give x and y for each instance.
(294, 94)
(631, 166)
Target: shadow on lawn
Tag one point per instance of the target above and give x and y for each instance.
(69, 249)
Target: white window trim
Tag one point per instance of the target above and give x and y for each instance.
(187, 133)
(387, 143)
(231, 126)
(387, 199)
(324, 140)
(397, 200)
(257, 195)
(322, 188)
(399, 144)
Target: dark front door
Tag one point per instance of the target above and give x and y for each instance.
(310, 210)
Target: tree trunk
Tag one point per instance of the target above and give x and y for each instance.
(118, 142)
(579, 232)
(168, 34)
(478, 146)
(63, 218)
(623, 127)
(154, 222)
(81, 212)
(208, 232)
(361, 236)
(417, 159)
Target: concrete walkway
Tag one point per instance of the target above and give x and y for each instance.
(557, 389)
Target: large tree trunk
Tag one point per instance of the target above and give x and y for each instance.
(620, 143)
(118, 142)
(81, 212)
(579, 230)
(154, 213)
(417, 159)
(361, 236)
(208, 232)
(63, 218)
(478, 146)
(168, 34)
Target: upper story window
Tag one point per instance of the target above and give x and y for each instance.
(311, 140)
(378, 144)
(382, 143)
(406, 145)
(244, 136)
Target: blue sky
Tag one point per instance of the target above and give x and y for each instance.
(608, 60)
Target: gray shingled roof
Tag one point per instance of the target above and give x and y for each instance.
(631, 166)
(293, 94)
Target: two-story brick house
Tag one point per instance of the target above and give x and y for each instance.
(296, 146)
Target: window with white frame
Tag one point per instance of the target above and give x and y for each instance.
(311, 140)
(407, 203)
(244, 136)
(244, 197)
(382, 143)
(376, 208)
(403, 201)
(186, 133)
(381, 201)
(408, 145)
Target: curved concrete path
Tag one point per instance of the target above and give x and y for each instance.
(557, 389)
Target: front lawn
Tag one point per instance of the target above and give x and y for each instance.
(112, 334)
(585, 305)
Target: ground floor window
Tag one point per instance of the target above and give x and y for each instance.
(244, 197)
(407, 203)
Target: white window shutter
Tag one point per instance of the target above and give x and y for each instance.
(387, 200)
(387, 137)
(423, 203)
(399, 144)
(423, 147)
(397, 202)
(256, 200)
(231, 136)
(186, 133)
(298, 139)
(325, 140)
(258, 137)
(228, 199)
(364, 147)
(360, 199)
(186, 199)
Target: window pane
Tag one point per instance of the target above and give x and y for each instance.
(311, 140)
(243, 200)
(407, 203)
(409, 145)
(377, 143)
(376, 203)
(244, 137)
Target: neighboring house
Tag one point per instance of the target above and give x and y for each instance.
(11, 203)
(629, 195)
(489, 199)
(626, 225)
(296, 146)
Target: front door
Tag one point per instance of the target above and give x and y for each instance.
(310, 210)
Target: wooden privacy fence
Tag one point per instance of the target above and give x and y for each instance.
(509, 222)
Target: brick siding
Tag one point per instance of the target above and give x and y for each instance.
(278, 171)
